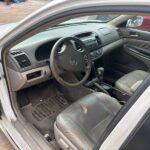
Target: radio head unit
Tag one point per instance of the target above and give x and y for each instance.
(91, 40)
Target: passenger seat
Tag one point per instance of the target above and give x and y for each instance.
(130, 82)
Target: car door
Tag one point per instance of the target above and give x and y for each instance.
(52, 14)
(132, 131)
(135, 53)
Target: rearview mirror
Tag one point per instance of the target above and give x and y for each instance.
(135, 22)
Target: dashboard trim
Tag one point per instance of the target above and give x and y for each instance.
(19, 80)
(18, 75)
(110, 47)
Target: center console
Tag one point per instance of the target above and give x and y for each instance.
(93, 42)
(98, 85)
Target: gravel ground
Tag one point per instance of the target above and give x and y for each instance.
(10, 14)
(4, 143)
(15, 12)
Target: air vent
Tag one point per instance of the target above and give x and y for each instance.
(16, 53)
(120, 33)
(98, 41)
(23, 60)
(83, 35)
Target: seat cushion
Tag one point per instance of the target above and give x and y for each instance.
(81, 124)
(131, 81)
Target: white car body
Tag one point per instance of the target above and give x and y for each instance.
(9, 123)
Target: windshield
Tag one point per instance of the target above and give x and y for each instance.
(95, 18)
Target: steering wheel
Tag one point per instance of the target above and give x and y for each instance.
(65, 56)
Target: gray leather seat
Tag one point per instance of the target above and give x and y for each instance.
(82, 124)
(130, 82)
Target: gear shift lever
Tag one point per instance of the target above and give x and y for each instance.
(100, 74)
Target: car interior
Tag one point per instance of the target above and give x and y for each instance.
(72, 79)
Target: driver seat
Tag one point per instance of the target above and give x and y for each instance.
(82, 124)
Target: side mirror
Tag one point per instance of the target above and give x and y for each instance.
(135, 22)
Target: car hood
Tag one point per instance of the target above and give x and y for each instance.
(5, 28)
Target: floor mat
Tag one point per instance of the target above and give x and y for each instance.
(45, 105)
(41, 104)
(49, 107)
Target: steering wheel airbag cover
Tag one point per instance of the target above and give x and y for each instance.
(70, 59)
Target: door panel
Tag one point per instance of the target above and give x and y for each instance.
(135, 54)
(131, 33)
(125, 62)
(139, 138)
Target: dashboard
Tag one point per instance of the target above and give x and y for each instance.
(28, 62)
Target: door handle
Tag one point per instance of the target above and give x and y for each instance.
(134, 35)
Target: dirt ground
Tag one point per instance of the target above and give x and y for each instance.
(15, 12)
(10, 14)
(4, 143)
